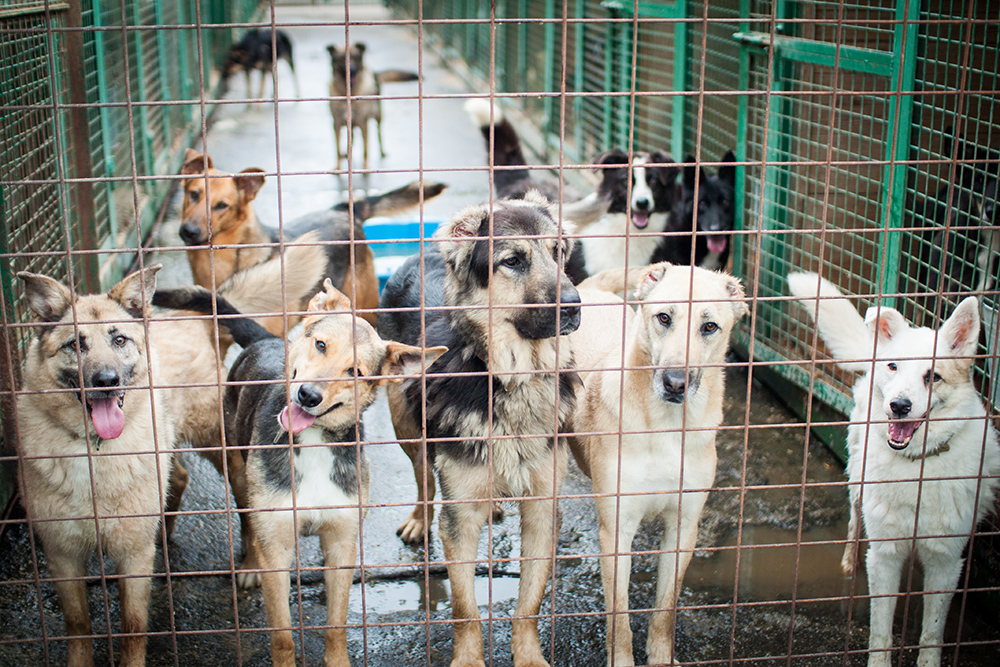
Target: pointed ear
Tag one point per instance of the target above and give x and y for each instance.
(457, 233)
(135, 291)
(401, 360)
(613, 156)
(331, 49)
(885, 323)
(650, 278)
(739, 298)
(960, 332)
(47, 298)
(360, 47)
(249, 182)
(329, 299)
(195, 163)
(727, 172)
(690, 172)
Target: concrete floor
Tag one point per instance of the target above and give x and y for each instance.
(779, 593)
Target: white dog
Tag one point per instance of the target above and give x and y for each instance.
(923, 456)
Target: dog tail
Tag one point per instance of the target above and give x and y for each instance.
(200, 300)
(506, 143)
(395, 76)
(393, 201)
(840, 325)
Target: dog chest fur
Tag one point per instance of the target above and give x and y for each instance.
(605, 244)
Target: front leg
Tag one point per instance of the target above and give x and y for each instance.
(536, 554)
(133, 594)
(73, 600)
(676, 549)
(942, 569)
(617, 528)
(336, 137)
(885, 566)
(274, 542)
(363, 126)
(339, 541)
(460, 528)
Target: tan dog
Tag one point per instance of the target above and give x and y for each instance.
(218, 217)
(73, 441)
(352, 79)
(674, 350)
(334, 371)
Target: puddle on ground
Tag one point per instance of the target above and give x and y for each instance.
(405, 595)
(773, 567)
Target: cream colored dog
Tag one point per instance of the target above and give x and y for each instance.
(648, 423)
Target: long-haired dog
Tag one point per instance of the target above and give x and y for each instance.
(924, 459)
(90, 441)
(624, 219)
(220, 225)
(652, 402)
(301, 425)
(494, 402)
(352, 79)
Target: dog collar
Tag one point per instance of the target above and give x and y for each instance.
(945, 447)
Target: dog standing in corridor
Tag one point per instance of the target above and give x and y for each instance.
(922, 452)
(655, 417)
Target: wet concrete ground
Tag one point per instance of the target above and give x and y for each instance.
(764, 585)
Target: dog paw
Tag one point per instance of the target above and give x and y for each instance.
(467, 662)
(411, 531)
(245, 579)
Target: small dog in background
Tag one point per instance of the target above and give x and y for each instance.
(922, 452)
(351, 79)
(254, 52)
(658, 418)
(334, 369)
(716, 215)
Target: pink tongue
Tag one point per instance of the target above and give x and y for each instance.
(107, 417)
(640, 219)
(293, 418)
(900, 431)
(716, 243)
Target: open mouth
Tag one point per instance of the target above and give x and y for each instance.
(106, 414)
(640, 218)
(717, 243)
(901, 431)
(295, 419)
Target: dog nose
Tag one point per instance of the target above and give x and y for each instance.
(309, 396)
(642, 204)
(106, 377)
(900, 407)
(675, 382)
(190, 234)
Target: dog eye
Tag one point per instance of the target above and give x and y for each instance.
(119, 340)
(221, 206)
(194, 196)
(70, 345)
(709, 327)
(511, 262)
(354, 373)
(321, 346)
(937, 377)
(664, 319)
(892, 367)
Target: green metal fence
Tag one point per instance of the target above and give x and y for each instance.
(838, 111)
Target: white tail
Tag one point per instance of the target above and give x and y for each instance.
(840, 324)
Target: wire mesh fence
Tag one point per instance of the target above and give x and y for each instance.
(865, 150)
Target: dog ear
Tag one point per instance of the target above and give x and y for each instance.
(690, 172)
(650, 278)
(329, 299)
(195, 163)
(667, 174)
(885, 323)
(457, 233)
(135, 291)
(47, 298)
(738, 296)
(332, 50)
(727, 172)
(960, 332)
(613, 156)
(249, 182)
(360, 47)
(401, 360)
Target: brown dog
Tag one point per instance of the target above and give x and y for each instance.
(352, 79)
(218, 218)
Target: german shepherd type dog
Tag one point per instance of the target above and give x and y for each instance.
(352, 79)
(501, 271)
(334, 371)
(672, 383)
(924, 457)
(706, 224)
(218, 218)
(623, 220)
(88, 400)
(254, 52)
